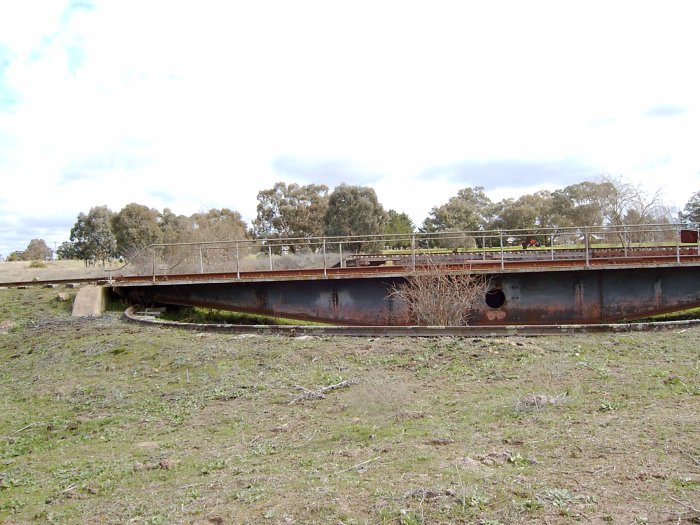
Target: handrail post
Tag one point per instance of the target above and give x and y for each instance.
(413, 251)
(551, 244)
(238, 263)
(201, 261)
(500, 235)
(483, 247)
(586, 243)
(340, 248)
(269, 254)
(678, 245)
(325, 273)
(154, 264)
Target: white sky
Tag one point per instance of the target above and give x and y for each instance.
(195, 105)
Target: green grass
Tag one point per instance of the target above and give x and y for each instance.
(103, 421)
(210, 315)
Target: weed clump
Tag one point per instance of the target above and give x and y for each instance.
(539, 401)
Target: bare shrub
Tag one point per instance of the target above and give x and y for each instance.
(438, 296)
(537, 401)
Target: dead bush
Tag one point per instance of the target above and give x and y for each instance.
(440, 296)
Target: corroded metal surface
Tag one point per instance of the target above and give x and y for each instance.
(533, 292)
(417, 331)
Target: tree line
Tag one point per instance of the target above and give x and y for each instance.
(302, 212)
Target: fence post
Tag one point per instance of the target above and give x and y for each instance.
(269, 254)
(201, 261)
(551, 244)
(325, 273)
(340, 247)
(154, 264)
(413, 251)
(678, 245)
(586, 243)
(500, 239)
(238, 263)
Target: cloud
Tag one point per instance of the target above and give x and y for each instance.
(128, 156)
(328, 172)
(16, 234)
(497, 174)
(8, 95)
(665, 111)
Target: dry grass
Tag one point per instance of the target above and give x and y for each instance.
(16, 271)
(104, 422)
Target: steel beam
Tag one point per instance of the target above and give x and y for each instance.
(533, 297)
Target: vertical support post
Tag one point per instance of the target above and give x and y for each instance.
(678, 245)
(325, 273)
(587, 246)
(500, 241)
(201, 261)
(551, 244)
(340, 247)
(269, 254)
(413, 252)
(154, 264)
(698, 237)
(483, 247)
(238, 263)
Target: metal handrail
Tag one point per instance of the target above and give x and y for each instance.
(626, 238)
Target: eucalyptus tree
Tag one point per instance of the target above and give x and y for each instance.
(92, 235)
(354, 210)
(135, 227)
(291, 211)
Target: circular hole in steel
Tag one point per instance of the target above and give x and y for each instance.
(495, 298)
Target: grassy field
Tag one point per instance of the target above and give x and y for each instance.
(102, 421)
(17, 271)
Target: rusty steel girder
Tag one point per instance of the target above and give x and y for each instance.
(529, 295)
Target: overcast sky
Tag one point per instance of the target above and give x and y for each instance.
(197, 105)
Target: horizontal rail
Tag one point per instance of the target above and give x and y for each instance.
(490, 267)
(325, 253)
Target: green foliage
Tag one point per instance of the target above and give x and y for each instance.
(291, 211)
(527, 212)
(67, 251)
(691, 212)
(195, 314)
(37, 250)
(399, 224)
(173, 227)
(469, 210)
(135, 227)
(92, 236)
(37, 264)
(354, 210)
(215, 225)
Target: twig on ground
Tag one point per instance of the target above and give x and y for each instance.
(319, 394)
(692, 458)
(356, 466)
(30, 425)
(687, 506)
(11, 435)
